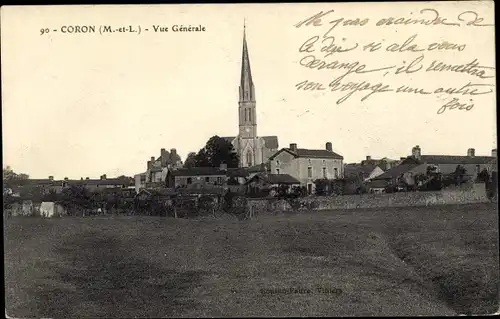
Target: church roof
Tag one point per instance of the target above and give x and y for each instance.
(270, 141)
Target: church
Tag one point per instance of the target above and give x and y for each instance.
(251, 148)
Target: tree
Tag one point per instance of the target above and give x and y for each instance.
(190, 160)
(483, 176)
(459, 174)
(217, 151)
(9, 174)
(76, 196)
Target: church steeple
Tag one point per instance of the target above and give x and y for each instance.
(247, 92)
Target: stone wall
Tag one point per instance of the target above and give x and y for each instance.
(473, 193)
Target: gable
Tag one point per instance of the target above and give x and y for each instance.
(283, 156)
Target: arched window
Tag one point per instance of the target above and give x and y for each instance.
(249, 158)
(246, 117)
(249, 115)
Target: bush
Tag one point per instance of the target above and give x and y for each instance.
(325, 187)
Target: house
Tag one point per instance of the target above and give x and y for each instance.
(261, 168)
(40, 186)
(307, 165)
(405, 171)
(447, 164)
(384, 163)
(99, 184)
(201, 176)
(157, 170)
(365, 172)
(266, 181)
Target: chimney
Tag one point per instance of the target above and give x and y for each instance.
(293, 147)
(51, 178)
(223, 166)
(173, 156)
(494, 152)
(163, 153)
(416, 152)
(329, 146)
(65, 178)
(81, 178)
(103, 176)
(152, 159)
(471, 152)
(368, 157)
(149, 164)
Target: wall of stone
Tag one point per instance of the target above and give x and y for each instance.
(473, 193)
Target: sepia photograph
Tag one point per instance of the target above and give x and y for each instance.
(250, 160)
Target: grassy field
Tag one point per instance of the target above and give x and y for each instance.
(440, 260)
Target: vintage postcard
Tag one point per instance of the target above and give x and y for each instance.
(244, 160)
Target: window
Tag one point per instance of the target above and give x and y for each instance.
(336, 172)
(207, 179)
(309, 172)
(246, 118)
(478, 168)
(278, 171)
(277, 163)
(250, 115)
(249, 158)
(324, 163)
(324, 172)
(309, 161)
(189, 180)
(219, 180)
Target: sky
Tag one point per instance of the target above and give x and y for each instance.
(83, 105)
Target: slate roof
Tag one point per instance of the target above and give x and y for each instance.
(259, 168)
(396, 171)
(237, 172)
(309, 153)
(452, 159)
(356, 169)
(110, 181)
(198, 171)
(276, 179)
(32, 182)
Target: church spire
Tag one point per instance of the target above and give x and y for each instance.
(247, 92)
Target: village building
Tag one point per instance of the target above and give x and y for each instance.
(157, 170)
(267, 181)
(417, 163)
(447, 164)
(384, 163)
(252, 149)
(363, 172)
(99, 184)
(308, 165)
